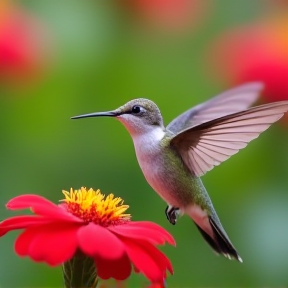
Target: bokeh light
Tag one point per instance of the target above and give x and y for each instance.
(25, 47)
(254, 52)
(167, 16)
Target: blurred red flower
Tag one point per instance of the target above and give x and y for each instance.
(24, 45)
(167, 14)
(96, 225)
(256, 52)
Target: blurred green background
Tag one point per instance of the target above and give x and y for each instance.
(97, 56)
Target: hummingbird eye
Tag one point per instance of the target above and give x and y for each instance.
(136, 109)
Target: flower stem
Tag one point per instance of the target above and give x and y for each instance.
(80, 272)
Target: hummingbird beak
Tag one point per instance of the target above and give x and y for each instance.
(97, 114)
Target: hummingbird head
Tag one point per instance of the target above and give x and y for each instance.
(139, 116)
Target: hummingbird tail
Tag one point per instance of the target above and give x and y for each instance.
(219, 242)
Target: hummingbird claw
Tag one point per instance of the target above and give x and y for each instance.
(171, 214)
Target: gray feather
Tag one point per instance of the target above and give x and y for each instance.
(231, 101)
(209, 144)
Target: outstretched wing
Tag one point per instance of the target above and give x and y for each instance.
(209, 144)
(231, 101)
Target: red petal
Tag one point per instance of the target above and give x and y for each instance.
(146, 262)
(20, 222)
(135, 232)
(153, 227)
(3, 231)
(95, 240)
(41, 206)
(119, 269)
(53, 243)
(162, 260)
(23, 241)
(27, 201)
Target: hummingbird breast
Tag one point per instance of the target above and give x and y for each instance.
(163, 168)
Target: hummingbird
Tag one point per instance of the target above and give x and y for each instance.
(173, 158)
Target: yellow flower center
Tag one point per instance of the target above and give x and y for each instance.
(93, 206)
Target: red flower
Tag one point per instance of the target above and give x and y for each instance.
(254, 53)
(23, 45)
(93, 224)
(167, 14)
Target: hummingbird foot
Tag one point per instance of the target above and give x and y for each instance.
(172, 213)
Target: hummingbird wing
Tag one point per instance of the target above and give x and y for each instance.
(210, 143)
(231, 101)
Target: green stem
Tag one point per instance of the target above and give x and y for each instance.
(80, 272)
